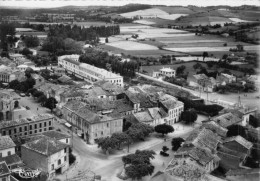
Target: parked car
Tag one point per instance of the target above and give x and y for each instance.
(27, 107)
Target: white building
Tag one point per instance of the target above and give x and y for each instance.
(7, 146)
(88, 72)
(168, 72)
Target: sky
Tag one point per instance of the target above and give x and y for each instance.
(59, 3)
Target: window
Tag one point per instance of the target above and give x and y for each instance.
(20, 129)
(101, 132)
(10, 132)
(25, 128)
(40, 125)
(4, 133)
(9, 153)
(45, 124)
(64, 150)
(65, 158)
(52, 166)
(35, 131)
(25, 133)
(40, 130)
(107, 124)
(59, 162)
(35, 126)
(67, 140)
(30, 132)
(30, 127)
(45, 129)
(49, 123)
(14, 130)
(0, 155)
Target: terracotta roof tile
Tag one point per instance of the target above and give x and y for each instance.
(6, 142)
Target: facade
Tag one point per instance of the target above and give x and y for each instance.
(27, 126)
(7, 152)
(91, 122)
(172, 107)
(167, 72)
(8, 74)
(225, 78)
(48, 155)
(8, 103)
(88, 72)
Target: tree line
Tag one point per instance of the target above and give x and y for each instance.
(82, 34)
(111, 63)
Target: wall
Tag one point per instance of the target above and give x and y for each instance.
(33, 159)
(53, 160)
(5, 152)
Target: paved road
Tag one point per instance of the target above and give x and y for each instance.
(249, 100)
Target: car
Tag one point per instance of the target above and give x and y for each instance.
(22, 94)
(27, 107)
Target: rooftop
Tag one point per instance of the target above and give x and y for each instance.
(11, 160)
(56, 135)
(226, 119)
(167, 69)
(242, 141)
(200, 76)
(203, 138)
(6, 142)
(72, 61)
(4, 170)
(242, 171)
(45, 146)
(143, 116)
(214, 127)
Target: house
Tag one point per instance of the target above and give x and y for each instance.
(225, 78)
(39, 80)
(7, 152)
(94, 120)
(203, 137)
(167, 72)
(46, 154)
(203, 82)
(200, 156)
(59, 136)
(171, 106)
(238, 144)
(144, 117)
(8, 74)
(16, 56)
(227, 119)
(158, 115)
(4, 172)
(244, 114)
(215, 128)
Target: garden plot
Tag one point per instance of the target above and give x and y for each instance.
(130, 45)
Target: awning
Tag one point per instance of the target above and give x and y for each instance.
(68, 125)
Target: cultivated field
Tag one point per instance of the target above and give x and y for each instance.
(237, 20)
(144, 22)
(131, 45)
(153, 12)
(171, 16)
(87, 24)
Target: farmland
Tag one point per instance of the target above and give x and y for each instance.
(130, 45)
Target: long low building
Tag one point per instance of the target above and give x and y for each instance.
(88, 72)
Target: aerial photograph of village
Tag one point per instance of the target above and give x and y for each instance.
(129, 90)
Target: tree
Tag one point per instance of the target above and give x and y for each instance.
(235, 130)
(14, 84)
(26, 52)
(121, 138)
(51, 103)
(176, 143)
(164, 150)
(107, 143)
(42, 99)
(205, 54)
(180, 69)
(139, 131)
(253, 121)
(189, 116)
(163, 129)
(31, 41)
(138, 165)
(197, 66)
(225, 56)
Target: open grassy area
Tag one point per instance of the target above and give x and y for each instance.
(141, 53)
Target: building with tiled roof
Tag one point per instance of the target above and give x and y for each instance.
(227, 119)
(4, 171)
(171, 106)
(46, 154)
(7, 152)
(238, 143)
(57, 135)
(144, 117)
(95, 118)
(203, 138)
(216, 128)
(27, 126)
(252, 174)
(89, 72)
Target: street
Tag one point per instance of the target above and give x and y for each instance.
(90, 158)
